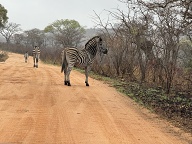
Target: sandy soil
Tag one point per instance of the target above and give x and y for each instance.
(35, 107)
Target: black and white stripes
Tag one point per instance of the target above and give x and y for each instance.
(36, 56)
(26, 56)
(84, 57)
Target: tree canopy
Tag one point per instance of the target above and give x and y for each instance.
(34, 37)
(3, 16)
(67, 32)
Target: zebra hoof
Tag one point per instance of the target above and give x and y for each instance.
(65, 82)
(87, 84)
(69, 84)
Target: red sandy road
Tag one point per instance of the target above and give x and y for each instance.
(35, 107)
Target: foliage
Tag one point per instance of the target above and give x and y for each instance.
(145, 44)
(3, 56)
(3, 16)
(33, 37)
(176, 107)
(186, 53)
(66, 32)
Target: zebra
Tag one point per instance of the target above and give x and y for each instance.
(26, 55)
(36, 56)
(84, 57)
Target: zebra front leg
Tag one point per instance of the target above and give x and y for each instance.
(87, 69)
(68, 83)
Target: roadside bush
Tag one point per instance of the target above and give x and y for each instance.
(177, 107)
(3, 56)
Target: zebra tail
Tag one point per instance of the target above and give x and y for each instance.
(63, 61)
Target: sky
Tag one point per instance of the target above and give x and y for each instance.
(41, 13)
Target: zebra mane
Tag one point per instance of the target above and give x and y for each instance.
(92, 39)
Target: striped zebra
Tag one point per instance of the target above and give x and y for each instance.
(84, 57)
(26, 55)
(36, 56)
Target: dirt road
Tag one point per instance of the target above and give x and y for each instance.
(35, 107)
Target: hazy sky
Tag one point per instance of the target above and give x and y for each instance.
(40, 13)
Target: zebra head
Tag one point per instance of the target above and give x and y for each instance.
(95, 44)
(101, 47)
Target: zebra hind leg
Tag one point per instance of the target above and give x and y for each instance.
(86, 75)
(37, 62)
(65, 75)
(68, 70)
(34, 62)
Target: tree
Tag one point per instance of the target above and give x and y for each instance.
(9, 30)
(153, 29)
(66, 32)
(121, 52)
(136, 45)
(18, 38)
(186, 53)
(34, 37)
(185, 7)
(172, 21)
(3, 16)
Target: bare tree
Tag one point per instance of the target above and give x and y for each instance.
(136, 27)
(149, 34)
(170, 27)
(9, 30)
(120, 49)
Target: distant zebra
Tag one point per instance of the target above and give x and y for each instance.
(85, 57)
(26, 55)
(36, 56)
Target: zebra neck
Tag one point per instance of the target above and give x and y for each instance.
(92, 51)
